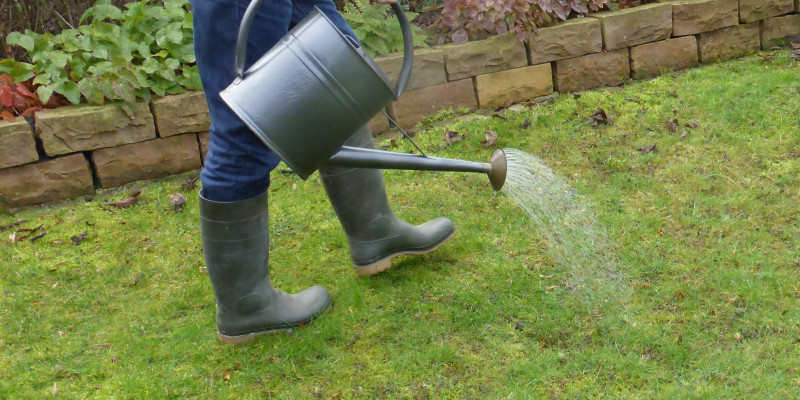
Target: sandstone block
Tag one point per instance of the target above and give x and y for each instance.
(79, 128)
(652, 58)
(497, 53)
(755, 10)
(632, 26)
(573, 38)
(690, 17)
(146, 160)
(415, 104)
(498, 88)
(379, 123)
(726, 43)
(183, 113)
(593, 70)
(17, 145)
(44, 182)
(780, 31)
(428, 69)
(203, 138)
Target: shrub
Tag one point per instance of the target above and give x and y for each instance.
(115, 54)
(465, 19)
(377, 28)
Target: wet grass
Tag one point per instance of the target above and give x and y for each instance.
(705, 227)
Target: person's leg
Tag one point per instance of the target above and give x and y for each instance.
(358, 195)
(238, 164)
(374, 234)
(233, 200)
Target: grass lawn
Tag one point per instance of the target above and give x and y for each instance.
(705, 228)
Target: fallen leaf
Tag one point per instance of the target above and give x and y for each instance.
(491, 139)
(576, 96)
(124, 203)
(190, 184)
(692, 124)
(178, 201)
(672, 124)
(11, 225)
(795, 46)
(437, 148)
(39, 236)
(353, 340)
(135, 192)
(683, 135)
(8, 116)
(22, 234)
(549, 288)
(226, 377)
(647, 149)
(500, 115)
(76, 240)
(526, 123)
(452, 137)
(6, 98)
(599, 117)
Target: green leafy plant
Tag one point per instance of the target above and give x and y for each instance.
(114, 54)
(377, 28)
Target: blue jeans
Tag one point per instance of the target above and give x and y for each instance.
(238, 164)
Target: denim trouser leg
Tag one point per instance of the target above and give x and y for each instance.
(238, 164)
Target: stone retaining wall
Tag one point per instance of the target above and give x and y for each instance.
(70, 151)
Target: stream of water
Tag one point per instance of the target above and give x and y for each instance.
(577, 243)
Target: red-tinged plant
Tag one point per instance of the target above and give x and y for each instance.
(20, 99)
(467, 19)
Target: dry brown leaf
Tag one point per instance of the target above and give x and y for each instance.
(452, 137)
(599, 117)
(124, 203)
(178, 201)
(491, 139)
(672, 124)
(190, 184)
(500, 115)
(11, 225)
(76, 240)
(648, 149)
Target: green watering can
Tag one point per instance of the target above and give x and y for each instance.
(308, 94)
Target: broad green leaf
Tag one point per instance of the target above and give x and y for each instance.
(42, 79)
(151, 65)
(102, 11)
(172, 63)
(70, 90)
(123, 91)
(24, 41)
(91, 92)
(59, 58)
(44, 92)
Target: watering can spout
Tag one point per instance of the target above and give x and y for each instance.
(358, 157)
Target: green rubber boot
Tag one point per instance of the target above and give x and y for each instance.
(375, 235)
(236, 249)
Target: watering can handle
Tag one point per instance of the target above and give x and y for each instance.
(408, 44)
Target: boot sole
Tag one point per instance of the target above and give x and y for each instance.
(385, 263)
(249, 337)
